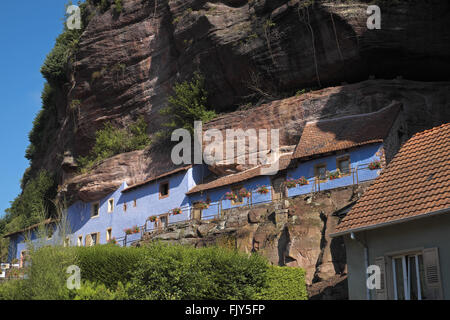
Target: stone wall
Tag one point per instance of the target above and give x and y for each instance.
(292, 232)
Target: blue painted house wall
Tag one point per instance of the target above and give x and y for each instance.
(21, 241)
(148, 202)
(359, 158)
(218, 194)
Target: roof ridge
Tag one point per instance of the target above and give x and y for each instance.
(359, 115)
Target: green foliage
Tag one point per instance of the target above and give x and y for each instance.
(186, 105)
(13, 290)
(156, 271)
(110, 141)
(181, 272)
(108, 264)
(98, 291)
(118, 6)
(55, 65)
(284, 283)
(44, 124)
(47, 277)
(36, 198)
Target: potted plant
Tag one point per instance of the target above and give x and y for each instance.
(128, 231)
(112, 241)
(152, 219)
(263, 190)
(136, 229)
(334, 174)
(176, 211)
(244, 193)
(375, 165)
(231, 196)
(302, 181)
(201, 205)
(291, 183)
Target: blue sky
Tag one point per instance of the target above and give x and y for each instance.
(28, 32)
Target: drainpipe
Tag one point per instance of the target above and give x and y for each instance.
(366, 261)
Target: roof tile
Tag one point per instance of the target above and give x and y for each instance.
(416, 182)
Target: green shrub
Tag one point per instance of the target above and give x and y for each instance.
(118, 6)
(47, 277)
(107, 264)
(28, 207)
(186, 105)
(95, 291)
(284, 283)
(110, 141)
(170, 272)
(55, 65)
(13, 290)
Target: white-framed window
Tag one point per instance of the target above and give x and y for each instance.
(408, 277)
(80, 241)
(67, 242)
(110, 205)
(95, 209)
(108, 234)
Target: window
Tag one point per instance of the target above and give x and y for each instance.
(110, 205)
(23, 258)
(320, 171)
(163, 190)
(162, 222)
(408, 277)
(95, 238)
(80, 241)
(239, 200)
(343, 164)
(95, 209)
(50, 231)
(67, 242)
(92, 239)
(108, 234)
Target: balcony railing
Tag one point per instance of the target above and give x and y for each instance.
(218, 210)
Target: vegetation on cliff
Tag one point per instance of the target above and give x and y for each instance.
(111, 140)
(188, 103)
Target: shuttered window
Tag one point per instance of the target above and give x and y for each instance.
(381, 293)
(432, 274)
(416, 276)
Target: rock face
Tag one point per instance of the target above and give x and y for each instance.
(426, 104)
(292, 232)
(249, 51)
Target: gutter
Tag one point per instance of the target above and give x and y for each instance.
(389, 223)
(366, 260)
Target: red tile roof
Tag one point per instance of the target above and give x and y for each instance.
(329, 135)
(138, 185)
(284, 162)
(415, 184)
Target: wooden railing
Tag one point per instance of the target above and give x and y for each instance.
(316, 182)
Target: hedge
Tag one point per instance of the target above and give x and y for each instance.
(284, 283)
(108, 264)
(183, 272)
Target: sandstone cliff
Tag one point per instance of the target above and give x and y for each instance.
(267, 64)
(249, 51)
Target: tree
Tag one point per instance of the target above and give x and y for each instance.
(186, 105)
